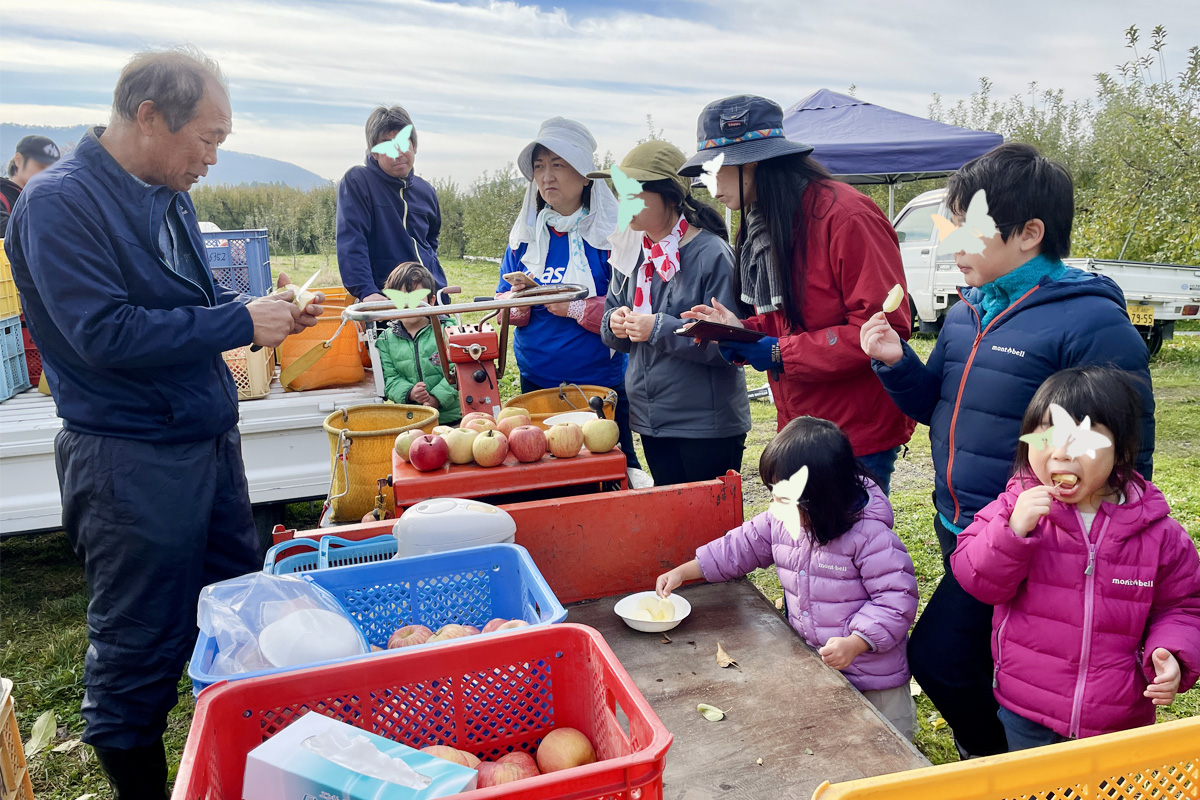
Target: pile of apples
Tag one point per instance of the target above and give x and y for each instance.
(562, 748)
(410, 635)
(488, 441)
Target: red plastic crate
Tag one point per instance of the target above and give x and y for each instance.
(489, 696)
(33, 358)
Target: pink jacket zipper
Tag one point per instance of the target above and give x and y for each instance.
(1089, 603)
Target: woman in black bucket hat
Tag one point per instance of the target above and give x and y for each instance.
(815, 260)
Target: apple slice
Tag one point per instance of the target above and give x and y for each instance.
(894, 298)
(641, 615)
(660, 610)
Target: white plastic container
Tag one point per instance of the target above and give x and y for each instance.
(448, 523)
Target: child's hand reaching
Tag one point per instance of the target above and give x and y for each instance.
(840, 651)
(1166, 684)
(670, 581)
(1032, 505)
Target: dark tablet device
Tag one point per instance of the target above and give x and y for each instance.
(717, 332)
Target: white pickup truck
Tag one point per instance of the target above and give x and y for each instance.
(1157, 295)
(284, 446)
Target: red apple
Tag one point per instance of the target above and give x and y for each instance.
(522, 760)
(404, 442)
(510, 423)
(565, 439)
(513, 624)
(428, 452)
(527, 443)
(493, 624)
(490, 448)
(472, 630)
(409, 635)
(493, 773)
(452, 755)
(479, 425)
(475, 415)
(448, 632)
(564, 748)
(512, 411)
(459, 441)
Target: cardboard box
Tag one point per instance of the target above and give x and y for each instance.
(283, 768)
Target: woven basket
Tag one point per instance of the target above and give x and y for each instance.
(547, 402)
(361, 439)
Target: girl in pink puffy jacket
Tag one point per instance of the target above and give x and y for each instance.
(1096, 588)
(849, 582)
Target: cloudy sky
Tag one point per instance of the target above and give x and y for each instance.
(479, 76)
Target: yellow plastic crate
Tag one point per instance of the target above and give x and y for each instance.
(14, 774)
(1159, 761)
(252, 371)
(10, 300)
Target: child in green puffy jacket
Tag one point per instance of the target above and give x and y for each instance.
(412, 369)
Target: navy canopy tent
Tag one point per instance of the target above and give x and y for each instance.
(864, 143)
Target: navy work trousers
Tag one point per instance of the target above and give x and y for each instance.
(153, 524)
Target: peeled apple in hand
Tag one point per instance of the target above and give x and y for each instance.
(301, 299)
(564, 748)
(894, 298)
(660, 610)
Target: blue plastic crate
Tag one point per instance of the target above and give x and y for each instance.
(468, 587)
(14, 372)
(240, 260)
(298, 555)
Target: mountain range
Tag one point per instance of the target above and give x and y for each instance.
(232, 169)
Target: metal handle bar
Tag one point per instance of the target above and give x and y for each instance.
(381, 310)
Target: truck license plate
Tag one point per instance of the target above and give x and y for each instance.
(1141, 315)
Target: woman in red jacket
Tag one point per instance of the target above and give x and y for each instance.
(816, 258)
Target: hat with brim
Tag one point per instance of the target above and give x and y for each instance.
(569, 140)
(651, 161)
(746, 128)
(39, 148)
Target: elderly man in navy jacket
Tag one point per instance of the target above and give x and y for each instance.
(110, 263)
(386, 213)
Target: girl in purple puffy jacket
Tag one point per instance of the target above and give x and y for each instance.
(1096, 588)
(849, 582)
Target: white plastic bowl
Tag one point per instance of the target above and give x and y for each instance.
(578, 417)
(627, 605)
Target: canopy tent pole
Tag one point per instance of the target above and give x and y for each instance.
(891, 201)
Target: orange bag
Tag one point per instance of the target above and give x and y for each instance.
(341, 365)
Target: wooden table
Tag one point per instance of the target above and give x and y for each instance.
(512, 477)
(782, 702)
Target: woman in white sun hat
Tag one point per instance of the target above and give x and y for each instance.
(561, 236)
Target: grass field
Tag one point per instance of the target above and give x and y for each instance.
(43, 598)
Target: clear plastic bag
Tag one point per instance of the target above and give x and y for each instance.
(261, 621)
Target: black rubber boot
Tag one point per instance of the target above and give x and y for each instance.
(137, 774)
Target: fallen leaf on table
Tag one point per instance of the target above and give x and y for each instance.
(914, 688)
(779, 603)
(42, 733)
(939, 723)
(67, 746)
(723, 659)
(759, 762)
(710, 713)
(666, 639)
(808, 751)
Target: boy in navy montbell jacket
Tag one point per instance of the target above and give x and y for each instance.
(1024, 317)
(386, 213)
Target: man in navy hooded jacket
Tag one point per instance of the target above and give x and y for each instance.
(386, 214)
(108, 257)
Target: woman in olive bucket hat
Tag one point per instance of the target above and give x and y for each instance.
(816, 258)
(561, 236)
(687, 402)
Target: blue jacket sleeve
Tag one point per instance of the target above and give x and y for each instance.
(83, 289)
(913, 386)
(353, 237)
(1111, 340)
